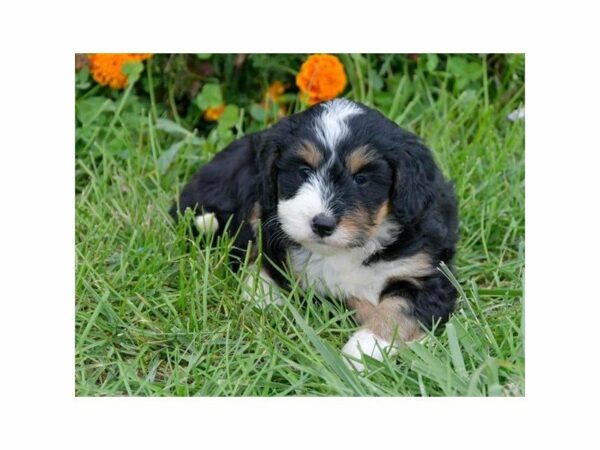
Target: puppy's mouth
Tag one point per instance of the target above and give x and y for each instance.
(322, 247)
(327, 236)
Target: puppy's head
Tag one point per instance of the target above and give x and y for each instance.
(340, 175)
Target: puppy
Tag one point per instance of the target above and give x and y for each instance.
(349, 203)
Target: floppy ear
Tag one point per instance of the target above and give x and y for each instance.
(270, 143)
(267, 155)
(416, 178)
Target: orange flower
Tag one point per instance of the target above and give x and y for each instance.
(275, 91)
(106, 68)
(272, 96)
(212, 114)
(321, 77)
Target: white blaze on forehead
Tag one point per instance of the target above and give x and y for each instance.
(331, 125)
(295, 214)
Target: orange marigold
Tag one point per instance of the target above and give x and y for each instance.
(321, 77)
(106, 68)
(213, 113)
(272, 96)
(275, 91)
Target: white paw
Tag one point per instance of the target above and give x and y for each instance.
(261, 289)
(207, 223)
(365, 342)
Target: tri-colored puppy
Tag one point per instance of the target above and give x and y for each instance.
(354, 204)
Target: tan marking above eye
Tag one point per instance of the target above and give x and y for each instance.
(358, 158)
(310, 154)
(360, 220)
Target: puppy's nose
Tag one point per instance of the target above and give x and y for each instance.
(323, 225)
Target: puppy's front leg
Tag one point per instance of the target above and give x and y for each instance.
(381, 324)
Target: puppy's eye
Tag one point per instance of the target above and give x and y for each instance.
(360, 179)
(304, 172)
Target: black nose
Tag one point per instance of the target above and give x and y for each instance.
(323, 225)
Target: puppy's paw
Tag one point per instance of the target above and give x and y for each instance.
(261, 290)
(365, 342)
(207, 223)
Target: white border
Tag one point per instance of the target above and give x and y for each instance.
(38, 221)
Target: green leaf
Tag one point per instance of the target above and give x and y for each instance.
(230, 117)
(464, 71)
(83, 78)
(168, 126)
(203, 56)
(258, 112)
(432, 62)
(133, 69)
(90, 109)
(165, 160)
(224, 137)
(457, 65)
(209, 97)
(375, 80)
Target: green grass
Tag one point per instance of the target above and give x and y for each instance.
(157, 316)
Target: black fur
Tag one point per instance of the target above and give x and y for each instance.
(254, 170)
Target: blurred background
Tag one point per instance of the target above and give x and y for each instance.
(222, 96)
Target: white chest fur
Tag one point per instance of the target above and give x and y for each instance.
(345, 275)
